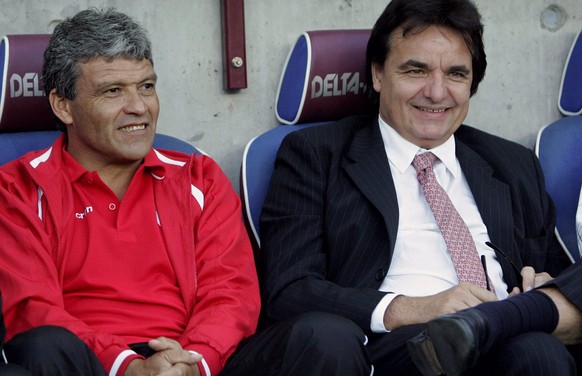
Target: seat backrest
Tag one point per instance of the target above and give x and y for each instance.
(23, 106)
(579, 221)
(323, 80)
(570, 97)
(26, 119)
(558, 148)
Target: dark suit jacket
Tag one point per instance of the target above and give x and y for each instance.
(330, 218)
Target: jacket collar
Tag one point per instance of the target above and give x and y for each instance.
(367, 165)
(493, 198)
(45, 163)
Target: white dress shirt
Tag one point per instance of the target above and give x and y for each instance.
(421, 265)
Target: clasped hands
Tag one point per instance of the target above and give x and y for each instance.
(170, 359)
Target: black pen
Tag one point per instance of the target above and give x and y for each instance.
(484, 262)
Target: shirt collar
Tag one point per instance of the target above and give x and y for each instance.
(152, 163)
(74, 168)
(76, 171)
(401, 152)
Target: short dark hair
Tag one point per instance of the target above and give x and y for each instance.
(416, 15)
(90, 34)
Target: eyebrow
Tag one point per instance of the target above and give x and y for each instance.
(460, 69)
(419, 64)
(153, 77)
(105, 84)
(414, 63)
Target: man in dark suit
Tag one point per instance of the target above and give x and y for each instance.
(348, 236)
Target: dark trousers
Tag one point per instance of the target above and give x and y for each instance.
(12, 370)
(314, 344)
(321, 344)
(529, 354)
(51, 350)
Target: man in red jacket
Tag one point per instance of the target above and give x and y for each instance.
(118, 258)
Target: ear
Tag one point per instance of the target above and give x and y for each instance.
(377, 70)
(60, 107)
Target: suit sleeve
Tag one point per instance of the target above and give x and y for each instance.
(295, 244)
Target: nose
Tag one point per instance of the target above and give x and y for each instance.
(436, 88)
(134, 103)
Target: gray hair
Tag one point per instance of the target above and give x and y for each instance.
(90, 34)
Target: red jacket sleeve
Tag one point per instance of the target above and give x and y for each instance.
(227, 299)
(29, 278)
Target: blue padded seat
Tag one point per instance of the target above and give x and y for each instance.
(558, 148)
(570, 100)
(323, 80)
(257, 168)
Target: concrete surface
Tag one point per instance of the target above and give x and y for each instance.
(518, 96)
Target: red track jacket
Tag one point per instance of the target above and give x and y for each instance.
(218, 283)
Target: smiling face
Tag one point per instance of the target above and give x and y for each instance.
(112, 120)
(424, 85)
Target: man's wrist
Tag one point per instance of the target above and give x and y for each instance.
(378, 315)
(202, 366)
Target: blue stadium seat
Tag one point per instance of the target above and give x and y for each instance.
(558, 148)
(323, 80)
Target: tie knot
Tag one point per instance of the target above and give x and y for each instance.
(423, 161)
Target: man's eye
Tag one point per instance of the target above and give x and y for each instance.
(459, 75)
(416, 72)
(149, 87)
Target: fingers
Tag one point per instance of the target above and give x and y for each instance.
(515, 291)
(406, 310)
(194, 356)
(178, 356)
(542, 278)
(172, 352)
(531, 279)
(463, 296)
(459, 297)
(477, 295)
(182, 370)
(528, 274)
(163, 343)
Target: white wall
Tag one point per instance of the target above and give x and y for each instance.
(517, 97)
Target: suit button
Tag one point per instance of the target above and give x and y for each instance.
(380, 275)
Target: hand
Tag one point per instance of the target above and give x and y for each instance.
(531, 280)
(170, 359)
(569, 329)
(406, 310)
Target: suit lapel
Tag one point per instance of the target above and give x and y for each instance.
(367, 165)
(493, 198)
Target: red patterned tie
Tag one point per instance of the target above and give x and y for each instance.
(454, 230)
